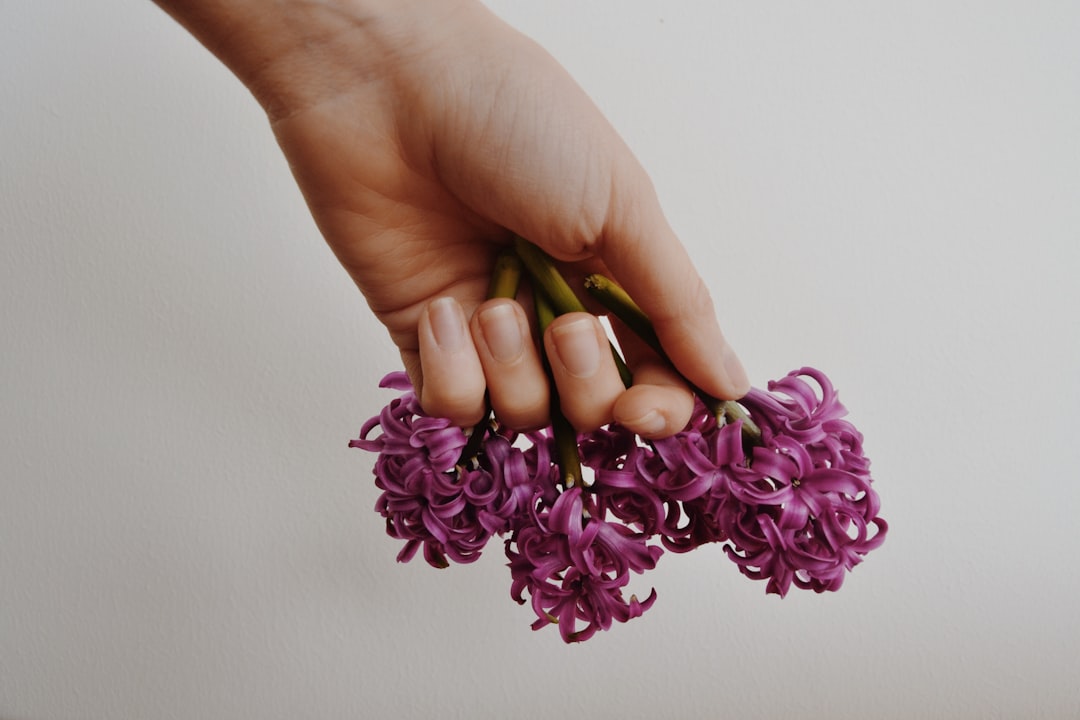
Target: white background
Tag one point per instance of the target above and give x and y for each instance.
(889, 191)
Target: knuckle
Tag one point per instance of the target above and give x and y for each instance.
(462, 404)
(523, 419)
(586, 417)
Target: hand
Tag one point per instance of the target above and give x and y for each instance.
(423, 135)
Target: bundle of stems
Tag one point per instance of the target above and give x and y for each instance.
(553, 296)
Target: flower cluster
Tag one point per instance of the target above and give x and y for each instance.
(575, 566)
(430, 501)
(793, 506)
(806, 510)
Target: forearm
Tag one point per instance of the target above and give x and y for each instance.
(290, 53)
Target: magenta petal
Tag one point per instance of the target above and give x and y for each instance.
(396, 381)
(799, 510)
(834, 481)
(575, 567)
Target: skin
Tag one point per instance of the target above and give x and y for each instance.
(423, 135)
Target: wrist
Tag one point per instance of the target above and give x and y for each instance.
(292, 53)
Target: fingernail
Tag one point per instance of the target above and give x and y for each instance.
(736, 372)
(576, 346)
(650, 423)
(447, 324)
(502, 333)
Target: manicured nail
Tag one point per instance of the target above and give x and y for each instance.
(735, 371)
(502, 333)
(447, 324)
(577, 348)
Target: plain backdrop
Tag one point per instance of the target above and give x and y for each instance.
(889, 191)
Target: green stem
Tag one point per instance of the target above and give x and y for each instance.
(505, 281)
(545, 314)
(622, 306)
(476, 439)
(566, 447)
(542, 271)
(545, 275)
(611, 295)
(506, 276)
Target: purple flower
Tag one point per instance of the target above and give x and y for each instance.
(677, 490)
(793, 507)
(792, 408)
(512, 480)
(802, 510)
(574, 567)
(408, 433)
(613, 453)
(430, 502)
(695, 467)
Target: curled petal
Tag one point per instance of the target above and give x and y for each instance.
(396, 381)
(574, 568)
(801, 510)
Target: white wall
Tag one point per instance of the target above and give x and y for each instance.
(889, 191)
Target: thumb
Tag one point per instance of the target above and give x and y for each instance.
(646, 258)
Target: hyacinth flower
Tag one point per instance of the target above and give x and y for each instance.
(423, 498)
(792, 408)
(513, 480)
(804, 510)
(443, 490)
(798, 509)
(630, 482)
(692, 471)
(569, 559)
(613, 454)
(432, 501)
(574, 566)
(779, 479)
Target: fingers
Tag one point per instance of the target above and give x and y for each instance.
(495, 351)
(517, 385)
(591, 392)
(453, 379)
(658, 405)
(584, 370)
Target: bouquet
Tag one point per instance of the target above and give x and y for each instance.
(779, 479)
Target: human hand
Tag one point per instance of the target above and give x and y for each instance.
(424, 135)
